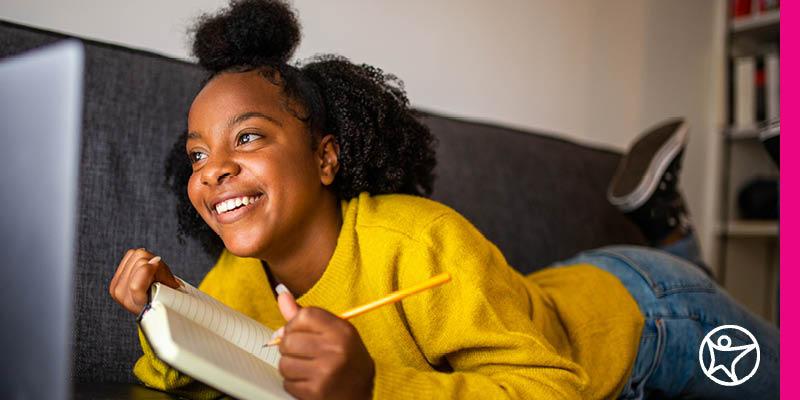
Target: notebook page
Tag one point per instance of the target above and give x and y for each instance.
(237, 328)
(196, 351)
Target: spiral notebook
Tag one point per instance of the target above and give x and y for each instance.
(209, 341)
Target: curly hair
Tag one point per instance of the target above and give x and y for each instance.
(383, 148)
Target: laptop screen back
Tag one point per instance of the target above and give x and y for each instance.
(40, 115)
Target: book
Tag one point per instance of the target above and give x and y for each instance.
(744, 96)
(761, 90)
(741, 8)
(214, 344)
(773, 86)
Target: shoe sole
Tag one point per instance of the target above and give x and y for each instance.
(641, 169)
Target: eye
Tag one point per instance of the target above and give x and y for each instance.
(196, 156)
(247, 137)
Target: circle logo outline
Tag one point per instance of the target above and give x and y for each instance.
(707, 342)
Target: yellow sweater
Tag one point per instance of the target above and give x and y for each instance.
(491, 333)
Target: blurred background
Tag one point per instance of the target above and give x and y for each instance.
(595, 72)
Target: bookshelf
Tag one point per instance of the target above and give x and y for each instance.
(751, 228)
(748, 251)
(760, 20)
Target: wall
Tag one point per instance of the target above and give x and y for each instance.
(597, 72)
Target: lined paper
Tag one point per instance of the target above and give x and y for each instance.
(233, 326)
(213, 360)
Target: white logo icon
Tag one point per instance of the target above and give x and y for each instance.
(723, 346)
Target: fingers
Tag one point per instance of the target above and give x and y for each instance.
(319, 352)
(163, 274)
(141, 278)
(286, 302)
(301, 389)
(300, 345)
(136, 272)
(310, 320)
(295, 369)
(117, 274)
(121, 289)
(287, 306)
(315, 320)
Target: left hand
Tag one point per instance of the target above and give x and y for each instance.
(322, 355)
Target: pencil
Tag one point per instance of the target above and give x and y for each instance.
(388, 299)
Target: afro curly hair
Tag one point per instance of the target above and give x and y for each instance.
(383, 148)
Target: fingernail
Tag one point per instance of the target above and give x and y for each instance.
(154, 260)
(276, 334)
(281, 289)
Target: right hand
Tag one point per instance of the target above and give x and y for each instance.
(135, 273)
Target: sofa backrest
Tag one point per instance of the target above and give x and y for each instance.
(538, 198)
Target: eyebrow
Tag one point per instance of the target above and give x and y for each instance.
(239, 119)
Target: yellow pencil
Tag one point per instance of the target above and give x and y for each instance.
(388, 299)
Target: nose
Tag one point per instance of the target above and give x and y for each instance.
(218, 169)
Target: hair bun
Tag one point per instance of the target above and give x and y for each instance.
(248, 32)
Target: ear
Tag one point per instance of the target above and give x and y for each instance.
(328, 157)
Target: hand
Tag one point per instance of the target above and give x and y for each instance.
(135, 273)
(322, 355)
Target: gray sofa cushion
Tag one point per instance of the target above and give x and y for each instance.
(540, 199)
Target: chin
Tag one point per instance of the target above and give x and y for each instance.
(241, 247)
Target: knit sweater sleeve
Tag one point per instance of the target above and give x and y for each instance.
(476, 331)
(159, 375)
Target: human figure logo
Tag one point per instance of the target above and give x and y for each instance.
(720, 348)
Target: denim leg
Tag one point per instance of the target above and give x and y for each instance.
(688, 248)
(681, 305)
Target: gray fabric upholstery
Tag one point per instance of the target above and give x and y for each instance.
(538, 198)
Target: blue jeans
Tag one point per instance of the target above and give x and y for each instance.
(681, 305)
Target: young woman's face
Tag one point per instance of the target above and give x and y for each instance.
(245, 147)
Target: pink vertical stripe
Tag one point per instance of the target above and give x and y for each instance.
(790, 201)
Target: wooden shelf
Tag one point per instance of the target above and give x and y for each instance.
(737, 133)
(743, 24)
(753, 132)
(751, 228)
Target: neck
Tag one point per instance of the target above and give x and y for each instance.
(301, 266)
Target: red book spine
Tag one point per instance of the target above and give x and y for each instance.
(741, 8)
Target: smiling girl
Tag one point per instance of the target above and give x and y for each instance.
(313, 176)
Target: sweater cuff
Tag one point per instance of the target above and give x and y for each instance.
(395, 382)
(155, 373)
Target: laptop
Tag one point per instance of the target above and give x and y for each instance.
(40, 124)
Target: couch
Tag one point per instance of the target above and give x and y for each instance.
(538, 197)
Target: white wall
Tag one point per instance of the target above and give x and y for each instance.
(596, 71)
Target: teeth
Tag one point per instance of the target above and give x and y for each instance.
(230, 204)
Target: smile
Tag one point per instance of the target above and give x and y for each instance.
(231, 210)
(234, 203)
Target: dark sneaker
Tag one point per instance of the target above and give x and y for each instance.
(770, 137)
(645, 185)
(665, 212)
(640, 171)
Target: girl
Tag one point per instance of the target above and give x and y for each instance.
(312, 176)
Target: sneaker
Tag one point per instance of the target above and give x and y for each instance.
(770, 137)
(664, 214)
(645, 185)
